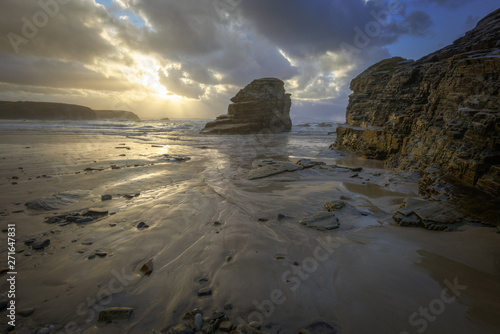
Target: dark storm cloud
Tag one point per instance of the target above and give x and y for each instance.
(448, 3)
(31, 71)
(416, 23)
(65, 31)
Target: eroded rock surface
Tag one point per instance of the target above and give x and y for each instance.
(442, 110)
(263, 106)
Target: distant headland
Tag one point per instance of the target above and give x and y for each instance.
(59, 111)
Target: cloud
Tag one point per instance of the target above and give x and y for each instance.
(448, 3)
(188, 50)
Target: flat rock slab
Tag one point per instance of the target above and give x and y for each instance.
(429, 214)
(322, 221)
(115, 313)
(274, 168)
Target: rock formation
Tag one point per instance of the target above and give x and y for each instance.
(117, 114)
(260, 107)
(440, 112)
(58, 111)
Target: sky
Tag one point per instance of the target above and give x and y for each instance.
(186, 59)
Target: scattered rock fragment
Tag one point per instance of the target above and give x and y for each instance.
(106, 197)
(334, 206)
(198, 321)
(147, 268)
(318, 328)
(41, 245)
(322, 221)
(226, 326)
(115, 313)
(84, 220)
(204, 292)
(43, 330)
(96, 212)
(26, 312)
(181, 329)
(142, 226)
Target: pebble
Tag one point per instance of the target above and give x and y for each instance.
(228, 306)
(84, 220)
(203, 279)
(96, 212)
(115, 313)
(217, 223)
(318, 327)
(41, 245)
(15, 178)
(112, 224)
(226, 326)
(43, 330)
(142, 226)
(229, 258)
(254, 324)
(263, 219)
(106, 197)
(29, 241)
(147, 268)
(280, 216)
(198, 321)
(88, 241)
(100, 253)
(26, 312)
(204, 292)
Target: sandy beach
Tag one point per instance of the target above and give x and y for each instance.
(211, 230)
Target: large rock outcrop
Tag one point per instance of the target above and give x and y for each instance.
(59, 111)
(260, 107)
(117, 114)
(440, 111)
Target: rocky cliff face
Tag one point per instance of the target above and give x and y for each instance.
(442, 111)
(260, 107)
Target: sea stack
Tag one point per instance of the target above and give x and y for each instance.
(263, 106)
(439, 114)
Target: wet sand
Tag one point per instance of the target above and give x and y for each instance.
(367, 276)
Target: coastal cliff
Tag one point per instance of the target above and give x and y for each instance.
(439, 114)
(59, 111)
(262, 106)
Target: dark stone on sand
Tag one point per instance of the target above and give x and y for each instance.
(96, 212)
(142, 226)
(198, 321)
(15, 178)
(334, 206)
(115, 313)
(321, 221)
(280, 216)
(106, 197)
(318, 328)
(43, 330)
(101, 253)
(226, 326)
(29, 242)
(147, 268)
(41, 245)
(84, 220)
(26, 312)
(228, 306)
(181, 329)
(204, 292)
